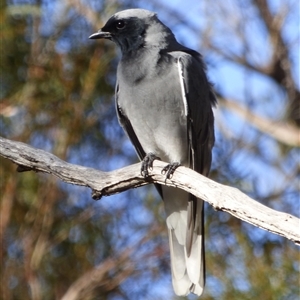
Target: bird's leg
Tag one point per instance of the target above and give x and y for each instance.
(147, 163)
(169, 169)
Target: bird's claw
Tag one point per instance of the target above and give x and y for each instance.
(169, 169)
(147, 164)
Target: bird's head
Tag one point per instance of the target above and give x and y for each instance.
(133, 29)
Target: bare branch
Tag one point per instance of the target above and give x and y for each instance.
(221, 197)
(285, 133)
(91, 279)
(110, 273)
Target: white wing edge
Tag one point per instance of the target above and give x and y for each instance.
(181, 80)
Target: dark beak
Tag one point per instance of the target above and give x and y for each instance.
(100, 35)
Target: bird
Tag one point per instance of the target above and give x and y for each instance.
(164, 102)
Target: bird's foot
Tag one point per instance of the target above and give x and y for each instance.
(169, 169)
(147, 163)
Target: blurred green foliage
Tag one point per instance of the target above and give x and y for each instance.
(57, 94)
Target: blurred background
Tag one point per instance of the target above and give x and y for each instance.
(57, 94)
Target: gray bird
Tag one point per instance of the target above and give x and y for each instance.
(164, 103)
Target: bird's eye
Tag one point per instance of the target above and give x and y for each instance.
(120, 24)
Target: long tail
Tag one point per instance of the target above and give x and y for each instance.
(185, 227)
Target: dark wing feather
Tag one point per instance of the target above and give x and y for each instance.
(200, 130)
(201, 99)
